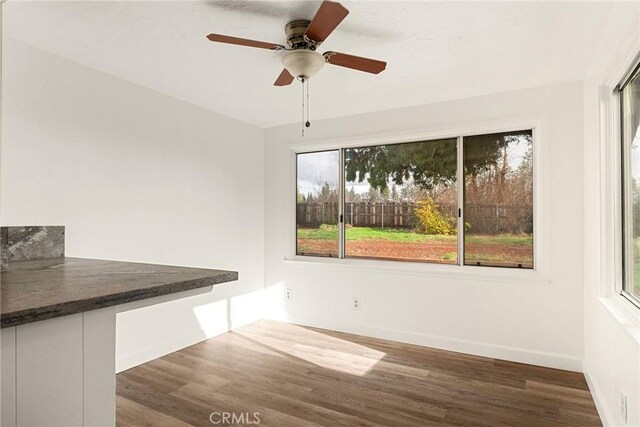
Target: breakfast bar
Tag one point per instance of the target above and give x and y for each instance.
(58, 332)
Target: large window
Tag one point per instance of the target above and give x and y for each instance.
(461, 200)
(630, 115)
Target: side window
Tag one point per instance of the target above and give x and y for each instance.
(630, 131)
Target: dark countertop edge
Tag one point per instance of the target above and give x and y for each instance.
(37, 314)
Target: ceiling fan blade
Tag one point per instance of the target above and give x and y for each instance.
(243, 42)
(355, 62)
(327, 18)
(284, 79)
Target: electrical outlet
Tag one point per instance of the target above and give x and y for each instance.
(356, 303)
(288, 294)
(623, 406)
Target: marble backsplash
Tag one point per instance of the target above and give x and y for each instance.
(23, 243)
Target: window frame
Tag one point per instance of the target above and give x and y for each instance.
(339, 204)
(461, 202)
(538, 274)
(623, 188)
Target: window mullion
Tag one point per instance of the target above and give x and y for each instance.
(341, 202)
(460, 197)
(624, 187)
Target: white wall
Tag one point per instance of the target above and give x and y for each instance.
(535, 321)
(138, 176)
(612, 326)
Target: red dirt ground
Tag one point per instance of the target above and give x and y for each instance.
(433, 251)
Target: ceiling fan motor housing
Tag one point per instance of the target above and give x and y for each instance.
(295, 34)
(303, 62)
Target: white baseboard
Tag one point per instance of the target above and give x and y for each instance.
(522, 355)
(598, 398)
(514, 354)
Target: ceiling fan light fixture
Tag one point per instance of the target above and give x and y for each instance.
(303, 63)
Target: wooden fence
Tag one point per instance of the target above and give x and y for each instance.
(481, 218)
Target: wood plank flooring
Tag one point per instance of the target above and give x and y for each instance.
(297, 376)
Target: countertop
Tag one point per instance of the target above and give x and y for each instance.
(42, 289)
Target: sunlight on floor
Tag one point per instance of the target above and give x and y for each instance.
(321, 350)
(313, 347)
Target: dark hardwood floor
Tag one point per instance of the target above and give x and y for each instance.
(294, 376)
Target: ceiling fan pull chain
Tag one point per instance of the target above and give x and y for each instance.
(307, 123)
(302, 106)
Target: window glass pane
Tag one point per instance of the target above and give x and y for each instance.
(400, 202)
(631, 141)
(498, 200)
(317, 204)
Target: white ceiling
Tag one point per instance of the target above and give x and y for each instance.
(435, 50)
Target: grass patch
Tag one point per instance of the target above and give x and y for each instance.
(449, 256)
(322, 233)
(365, 233)
(330, 232)
(394, 235)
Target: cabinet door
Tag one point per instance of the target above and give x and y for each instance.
(100, 367)
(49, 365)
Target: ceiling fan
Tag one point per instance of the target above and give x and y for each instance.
(303, 38)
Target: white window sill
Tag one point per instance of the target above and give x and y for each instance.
(446, 271)
(625, 313)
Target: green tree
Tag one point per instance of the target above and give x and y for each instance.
(428, 163)
(327, 193)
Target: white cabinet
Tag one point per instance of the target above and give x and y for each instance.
(49, 372)
(60, 372)
(100, 367)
